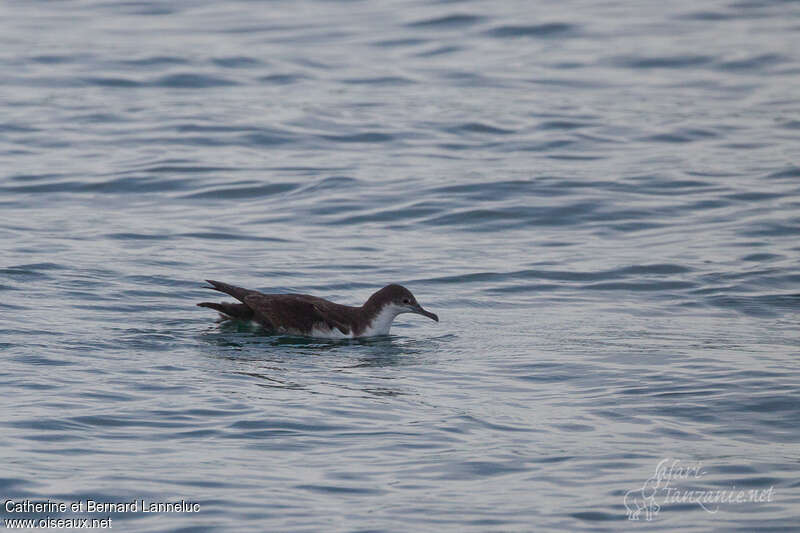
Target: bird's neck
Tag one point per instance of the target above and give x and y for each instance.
(379, 319)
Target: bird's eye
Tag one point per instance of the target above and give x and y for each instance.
(405, 301)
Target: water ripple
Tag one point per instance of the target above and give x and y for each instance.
(599, 202)
(551, 29)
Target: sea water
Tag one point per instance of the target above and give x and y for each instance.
(600, 200)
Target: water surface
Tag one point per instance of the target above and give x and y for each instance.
(599, 200)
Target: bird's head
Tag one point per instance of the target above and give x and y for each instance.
(401, 301)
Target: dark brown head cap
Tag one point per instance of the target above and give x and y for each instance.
(399, 296)
(394, 293)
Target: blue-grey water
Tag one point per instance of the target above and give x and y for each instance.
(601, 200)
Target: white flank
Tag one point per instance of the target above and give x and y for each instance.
(380, 325)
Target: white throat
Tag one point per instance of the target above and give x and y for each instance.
(382, 323)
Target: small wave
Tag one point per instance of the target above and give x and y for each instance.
(707, 16)
(366, 137)
(552, 29)
(380, 80)
(122, 83)
(562, 125)
(406, 213)
(9, 127)
(640, 286)
(282, 79)
(331, 182)
(791, 172)
(136, 237)
(685, 61)
(448, 21)
(439, 51)
(764, 305)
(266, 138)
(192, 81)
(682, 135)
(52, 59)
(753, 196)
(114, 186)
(479, 127)
(180, 169)
(598, 516)
(399, 43)
(232, 193)
(755, 63)
(772, 229)
(236, 62)
(762, 257)
(657, 269)
(225, 236)
(155, 61)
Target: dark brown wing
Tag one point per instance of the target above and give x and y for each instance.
(230, 310)
(237, 292)
(291, 312)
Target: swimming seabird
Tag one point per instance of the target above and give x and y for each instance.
(311, 316)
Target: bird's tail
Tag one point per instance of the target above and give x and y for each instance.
(237, 292)
(237, 311)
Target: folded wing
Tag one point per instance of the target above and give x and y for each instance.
(290, 312)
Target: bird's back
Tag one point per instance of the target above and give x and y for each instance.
(302, 313)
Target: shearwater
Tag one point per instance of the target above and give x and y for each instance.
(311, 316)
